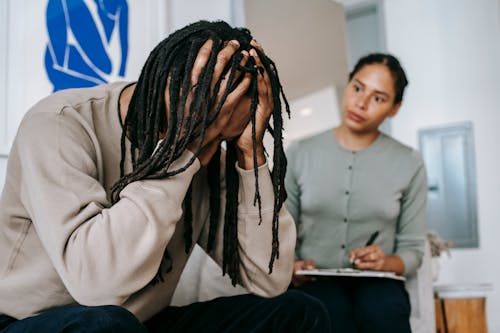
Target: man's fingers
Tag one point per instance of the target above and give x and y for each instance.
(257, 45)
(228, 108)
(201, 61)
(226, 111)
(263, 84)
(223, 57)
(243, 62)
(238, 92)
(225, 80)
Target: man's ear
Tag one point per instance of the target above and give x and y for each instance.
(394, 110)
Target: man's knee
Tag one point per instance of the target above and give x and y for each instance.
(297, 301)
(307, 313)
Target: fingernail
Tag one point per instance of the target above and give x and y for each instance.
(351, 259)
(244, 53)
(253, 53)
(234, 42)
(255, 42)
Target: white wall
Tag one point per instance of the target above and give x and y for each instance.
(451, 51)
(182, 12)
(306, 39)
(312, 114)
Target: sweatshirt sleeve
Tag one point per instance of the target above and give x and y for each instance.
(255, 239)
(102, 252)
(410, 233)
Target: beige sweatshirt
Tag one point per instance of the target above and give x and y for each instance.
(61, 241)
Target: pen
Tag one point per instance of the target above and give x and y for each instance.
(372, 238)
(368, 243)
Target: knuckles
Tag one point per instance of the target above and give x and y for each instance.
(222, 58)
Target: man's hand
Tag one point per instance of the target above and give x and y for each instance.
(297, 279)
(213, 136)
(233, 120)
(263, 113)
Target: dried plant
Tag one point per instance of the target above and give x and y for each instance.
(438, 244)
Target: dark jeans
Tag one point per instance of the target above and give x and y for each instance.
(363, 304)
(292, 311)
(77, 318)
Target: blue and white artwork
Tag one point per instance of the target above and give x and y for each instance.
(88, 42)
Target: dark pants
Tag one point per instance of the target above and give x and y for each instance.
(77, 318)
(292, 311)
(363, 304)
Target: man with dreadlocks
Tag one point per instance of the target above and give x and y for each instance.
(92, 240)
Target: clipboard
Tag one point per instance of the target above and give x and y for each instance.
(351, 272)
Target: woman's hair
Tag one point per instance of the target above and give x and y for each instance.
(172, 60)
(392, 63)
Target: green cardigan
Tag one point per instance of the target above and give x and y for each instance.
(338, 198)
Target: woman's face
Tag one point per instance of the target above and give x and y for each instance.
(369, 99)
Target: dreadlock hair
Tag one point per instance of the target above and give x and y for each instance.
(172, 60)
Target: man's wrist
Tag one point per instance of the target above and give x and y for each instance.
(246, 158)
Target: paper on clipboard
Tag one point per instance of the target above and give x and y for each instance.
(350, 272)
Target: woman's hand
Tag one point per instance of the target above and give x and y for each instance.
(373, 258)
(298, 279)
(370, 257)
